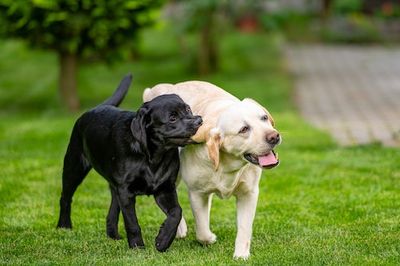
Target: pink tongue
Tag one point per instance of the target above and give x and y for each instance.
(268, 159)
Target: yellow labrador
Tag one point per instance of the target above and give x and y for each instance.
(238, 139)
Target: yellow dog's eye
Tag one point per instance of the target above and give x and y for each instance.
(264, 118)
(244, 129)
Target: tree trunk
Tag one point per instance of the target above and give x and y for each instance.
(208, 54)
(67, 80)
(326, 10)
(213, 52)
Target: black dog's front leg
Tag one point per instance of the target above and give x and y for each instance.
(168, 202)
(133, 231)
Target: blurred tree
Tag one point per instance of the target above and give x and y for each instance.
(207, 18)
(326, 9)
(202, 19)
(77, 29)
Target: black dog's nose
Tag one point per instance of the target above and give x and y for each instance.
(198, 121)
(273, 138)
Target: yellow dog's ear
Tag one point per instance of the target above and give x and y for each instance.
(213, 145)
(265, 110)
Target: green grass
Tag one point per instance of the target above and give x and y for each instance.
(323, 204)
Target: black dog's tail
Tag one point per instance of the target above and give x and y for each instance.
(120, 92)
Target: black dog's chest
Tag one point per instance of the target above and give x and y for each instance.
(145, 183)
(148, 180)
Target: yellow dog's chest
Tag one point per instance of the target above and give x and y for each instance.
(224, 184)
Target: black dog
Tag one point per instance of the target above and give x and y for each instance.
(137, 153)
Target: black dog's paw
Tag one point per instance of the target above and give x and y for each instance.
(136, 243)
(64, 225)
(163, 242)
(113, 234)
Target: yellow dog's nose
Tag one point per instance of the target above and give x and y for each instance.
(273, 137)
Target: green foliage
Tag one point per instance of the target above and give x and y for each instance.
(388, 11)
(199, 13)
(83, 27)
(354, 28)
(346, 6)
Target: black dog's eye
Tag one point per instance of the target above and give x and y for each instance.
(188, 109)
(264, 118)
(244, 129)
(172, 118)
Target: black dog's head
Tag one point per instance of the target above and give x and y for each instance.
(166, 120)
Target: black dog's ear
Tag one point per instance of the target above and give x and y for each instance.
(138, 128)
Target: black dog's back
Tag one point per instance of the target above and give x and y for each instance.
(103, 131)
(99, 122)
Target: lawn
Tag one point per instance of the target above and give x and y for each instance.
(323, 205)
